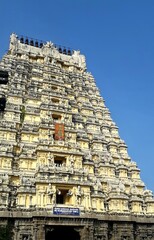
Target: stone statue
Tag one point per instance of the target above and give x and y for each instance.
(79, 194)
(72, 161)
(109, 187)
(50, 190)
(13, 197)
(99, 185)
(46, 59)
(89, 156)
(51, 159)
(134, 190)
(49, 44)
(25, 56)
(47, 47)
(121, 186)
(78, 59)
(69, 193)
(148, 193)
(13, 43)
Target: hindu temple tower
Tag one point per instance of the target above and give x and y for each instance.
(65, 173)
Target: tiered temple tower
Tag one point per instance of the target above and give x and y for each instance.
(65, 173)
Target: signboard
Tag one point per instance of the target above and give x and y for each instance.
(66, 211)
(59, 131)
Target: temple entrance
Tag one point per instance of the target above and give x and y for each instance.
(62, 233)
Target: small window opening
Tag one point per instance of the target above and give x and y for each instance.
(2, 103)
(54, 88)
(54, 100)
(59, 161)
(4, 77)
(61, 196)
(56, 117)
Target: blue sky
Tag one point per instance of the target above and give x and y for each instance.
(117, 38)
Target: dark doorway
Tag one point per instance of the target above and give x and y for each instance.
(62, 233)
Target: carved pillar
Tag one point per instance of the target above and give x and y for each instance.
(16, 232)
(141, 232)
(35, 229)
(86, 233)
(115, 234)
(39, 232)
(91, 232)
(101, 231)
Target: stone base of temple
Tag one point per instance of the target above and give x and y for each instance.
(104, 227)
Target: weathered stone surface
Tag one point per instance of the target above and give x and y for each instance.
(60, 148)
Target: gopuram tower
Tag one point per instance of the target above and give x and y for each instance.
(65, 173)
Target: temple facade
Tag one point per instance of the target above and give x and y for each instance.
(65, 173)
